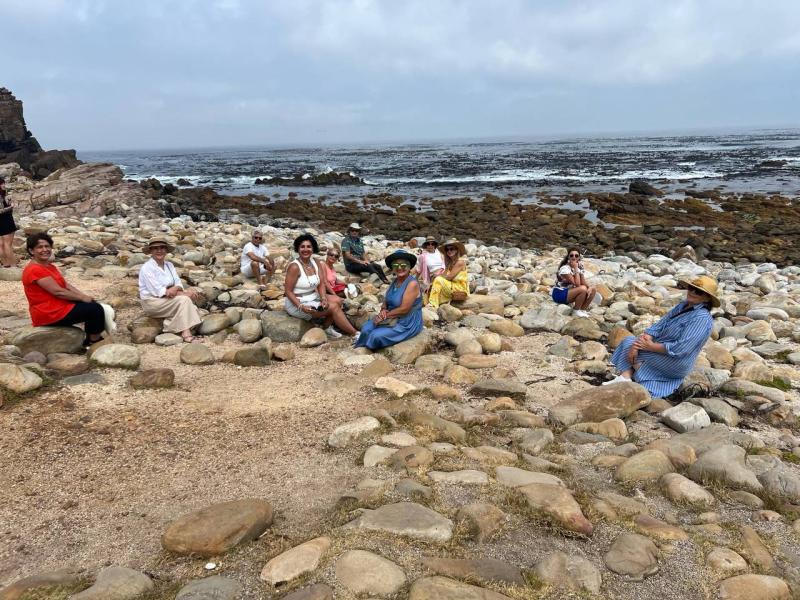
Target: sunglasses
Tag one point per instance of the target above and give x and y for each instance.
(332, 255)
(695, 290)
(574, 255)
(449, 248)
(426, 244)
(400, 265)
(158, 248)
(257, 237)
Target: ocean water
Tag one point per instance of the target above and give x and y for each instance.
(519, 167)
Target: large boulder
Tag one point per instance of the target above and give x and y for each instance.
(600, 403)
(49, 340)
(725, 464)
(281, 327)
(216, 529)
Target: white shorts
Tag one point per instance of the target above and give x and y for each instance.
(247, 270)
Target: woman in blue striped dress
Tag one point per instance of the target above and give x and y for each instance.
(665, 353)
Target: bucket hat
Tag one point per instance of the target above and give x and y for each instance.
(157, 240)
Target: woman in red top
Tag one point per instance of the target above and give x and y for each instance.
(51, 300)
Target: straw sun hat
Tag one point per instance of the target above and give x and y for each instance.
(157, 240)
(458, 245)
(704, 283)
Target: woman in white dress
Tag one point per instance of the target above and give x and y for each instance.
(306, 297)
(162, 295)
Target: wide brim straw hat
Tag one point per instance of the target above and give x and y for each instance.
(431, 240)
(401, 255)
(454, 242)
(355, 226)
(704, 283)
(158, 240)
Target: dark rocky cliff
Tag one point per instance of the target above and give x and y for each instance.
(18, 145)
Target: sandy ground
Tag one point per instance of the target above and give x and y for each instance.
(92, 474)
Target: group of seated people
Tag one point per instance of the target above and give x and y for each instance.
(659, 359)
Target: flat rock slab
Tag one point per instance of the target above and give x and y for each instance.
(600, 403)
(153, 379)
(557, 502)
(500, 387)
(346, 434)
(407, 519)
(682, 490)
(570, 572)
(120, 356)
(464, 477)
(515, 477)
(84, 379)
(633, 556)
(444, 588)
(295, 562)
(216, 529)
(116, 583)
(754, 587)
(211, 588)
(482, 569)
(395, 387)
(365, 573)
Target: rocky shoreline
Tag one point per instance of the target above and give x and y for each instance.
(487, 464)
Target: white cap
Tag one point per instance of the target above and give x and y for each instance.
(354, 226)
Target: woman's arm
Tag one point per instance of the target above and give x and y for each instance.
(409, 296)
(454, 270)
(71, 293)
(323, 281)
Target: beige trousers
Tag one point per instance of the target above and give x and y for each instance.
(179, 313)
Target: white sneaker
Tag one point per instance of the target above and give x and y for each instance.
(333, 333)
(580, 313)
(617, 379)
(355, 337)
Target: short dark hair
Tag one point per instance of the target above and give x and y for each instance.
(306, 237)
(35, 238)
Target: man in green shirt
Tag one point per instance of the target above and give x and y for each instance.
(356, 260)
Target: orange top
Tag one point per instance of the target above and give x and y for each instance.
(45, 308)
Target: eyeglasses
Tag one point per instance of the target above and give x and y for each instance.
(399, 265)
(574, 255)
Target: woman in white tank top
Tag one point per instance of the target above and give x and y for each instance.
(305, 291)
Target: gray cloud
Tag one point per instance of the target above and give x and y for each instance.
(173, 73)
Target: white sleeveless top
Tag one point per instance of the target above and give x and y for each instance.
(306, 286)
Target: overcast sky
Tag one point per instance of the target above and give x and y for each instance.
(103, 74)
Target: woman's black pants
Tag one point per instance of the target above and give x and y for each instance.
(90, 313)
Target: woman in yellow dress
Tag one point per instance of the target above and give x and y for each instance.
(453, 284)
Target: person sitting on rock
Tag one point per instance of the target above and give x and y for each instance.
(453, 283)
(400, 317)
(430, 264)
(162, 294)
(305, 291)
(356, 260)
(665, 353)
(334, 286)
(571, 287)
(51, 300)
(256, 261)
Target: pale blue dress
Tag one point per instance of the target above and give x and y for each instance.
(683, 334)
(410, 324)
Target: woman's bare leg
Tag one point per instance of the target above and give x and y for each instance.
(341, 320)
(590, 293)
(576, 297)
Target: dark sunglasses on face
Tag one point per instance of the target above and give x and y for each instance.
(574, 256)
(332, 255)
(257, 237)
(696, 291)
(400, 265)
(158, 247)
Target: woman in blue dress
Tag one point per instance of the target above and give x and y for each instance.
(665, 353)
(400, 317)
